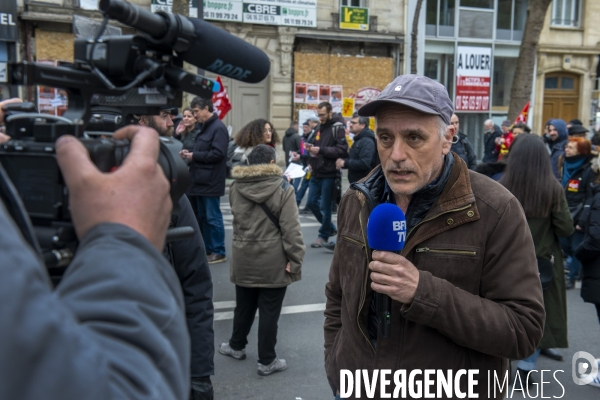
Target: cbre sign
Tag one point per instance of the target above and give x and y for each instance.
(8, 21)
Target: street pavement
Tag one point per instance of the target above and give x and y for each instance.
(300, 337)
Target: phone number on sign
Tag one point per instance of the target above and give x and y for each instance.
(472, 103)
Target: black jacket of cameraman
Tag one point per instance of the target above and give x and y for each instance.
(188, 257)
(208, 166)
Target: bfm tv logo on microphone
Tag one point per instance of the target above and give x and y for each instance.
(584, 372)
(400, 228)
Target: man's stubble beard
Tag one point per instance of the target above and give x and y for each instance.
(161, 132)
(405, 168)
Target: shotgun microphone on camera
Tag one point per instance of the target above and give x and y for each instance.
(195, 41)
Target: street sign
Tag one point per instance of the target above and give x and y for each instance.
(8, 21)
(355, 18)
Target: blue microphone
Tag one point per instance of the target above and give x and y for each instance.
(386, 231)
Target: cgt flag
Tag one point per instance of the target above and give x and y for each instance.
(523, 115)
(221, 101)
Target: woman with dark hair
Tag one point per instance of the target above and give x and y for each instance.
(259, 131)
(576, 176)
(530, 179)
(187, 131)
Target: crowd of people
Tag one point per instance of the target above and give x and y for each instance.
(529, 210)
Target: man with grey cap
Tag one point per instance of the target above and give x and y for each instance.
(465, 289)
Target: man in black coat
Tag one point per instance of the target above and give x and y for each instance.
(325, 147)
(492, 131)
(588, 253)
(462, 147)
(360, 157)
(188, 258)
(291, 142)
(208, 170)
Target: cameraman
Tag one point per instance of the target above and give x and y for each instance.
(188, 257)
(114, 328)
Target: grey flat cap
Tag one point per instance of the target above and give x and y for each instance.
(415, 91)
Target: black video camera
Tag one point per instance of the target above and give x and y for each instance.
(134, 74)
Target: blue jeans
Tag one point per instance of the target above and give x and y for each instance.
(211, 223)
(321, 188)
(528, 364)
(300, 192)
(296, 183)
(569, 245)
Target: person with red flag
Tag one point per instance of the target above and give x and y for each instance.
(221, 101)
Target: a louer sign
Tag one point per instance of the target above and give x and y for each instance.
(8, 21)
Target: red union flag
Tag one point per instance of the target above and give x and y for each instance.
(473, 78)
(221, 101)
(523, 115)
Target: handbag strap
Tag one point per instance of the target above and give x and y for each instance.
(270, 215)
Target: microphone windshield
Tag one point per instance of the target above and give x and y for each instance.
(386, 229)
(218, 51)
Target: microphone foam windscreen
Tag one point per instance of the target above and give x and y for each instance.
(386, 229)
(218, 51)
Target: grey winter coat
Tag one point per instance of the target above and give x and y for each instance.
(260, 251)
(114, 328)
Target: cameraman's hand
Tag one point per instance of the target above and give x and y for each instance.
(135, 195)
(4, 138)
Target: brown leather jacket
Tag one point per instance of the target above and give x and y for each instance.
(479, 299)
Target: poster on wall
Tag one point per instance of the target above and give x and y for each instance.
(299, 92)
(365, 95)
(348, 107)
(304, 115)
(324, 92)
(336, 95)
(473, 75)
(51, 100)
(312, 93)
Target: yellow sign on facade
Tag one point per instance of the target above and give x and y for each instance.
(372, 123)
(347, 107)
(355, 18)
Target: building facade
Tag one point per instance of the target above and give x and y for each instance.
(567, 63)
(565, 84)
(471, 46)
(307, 41)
